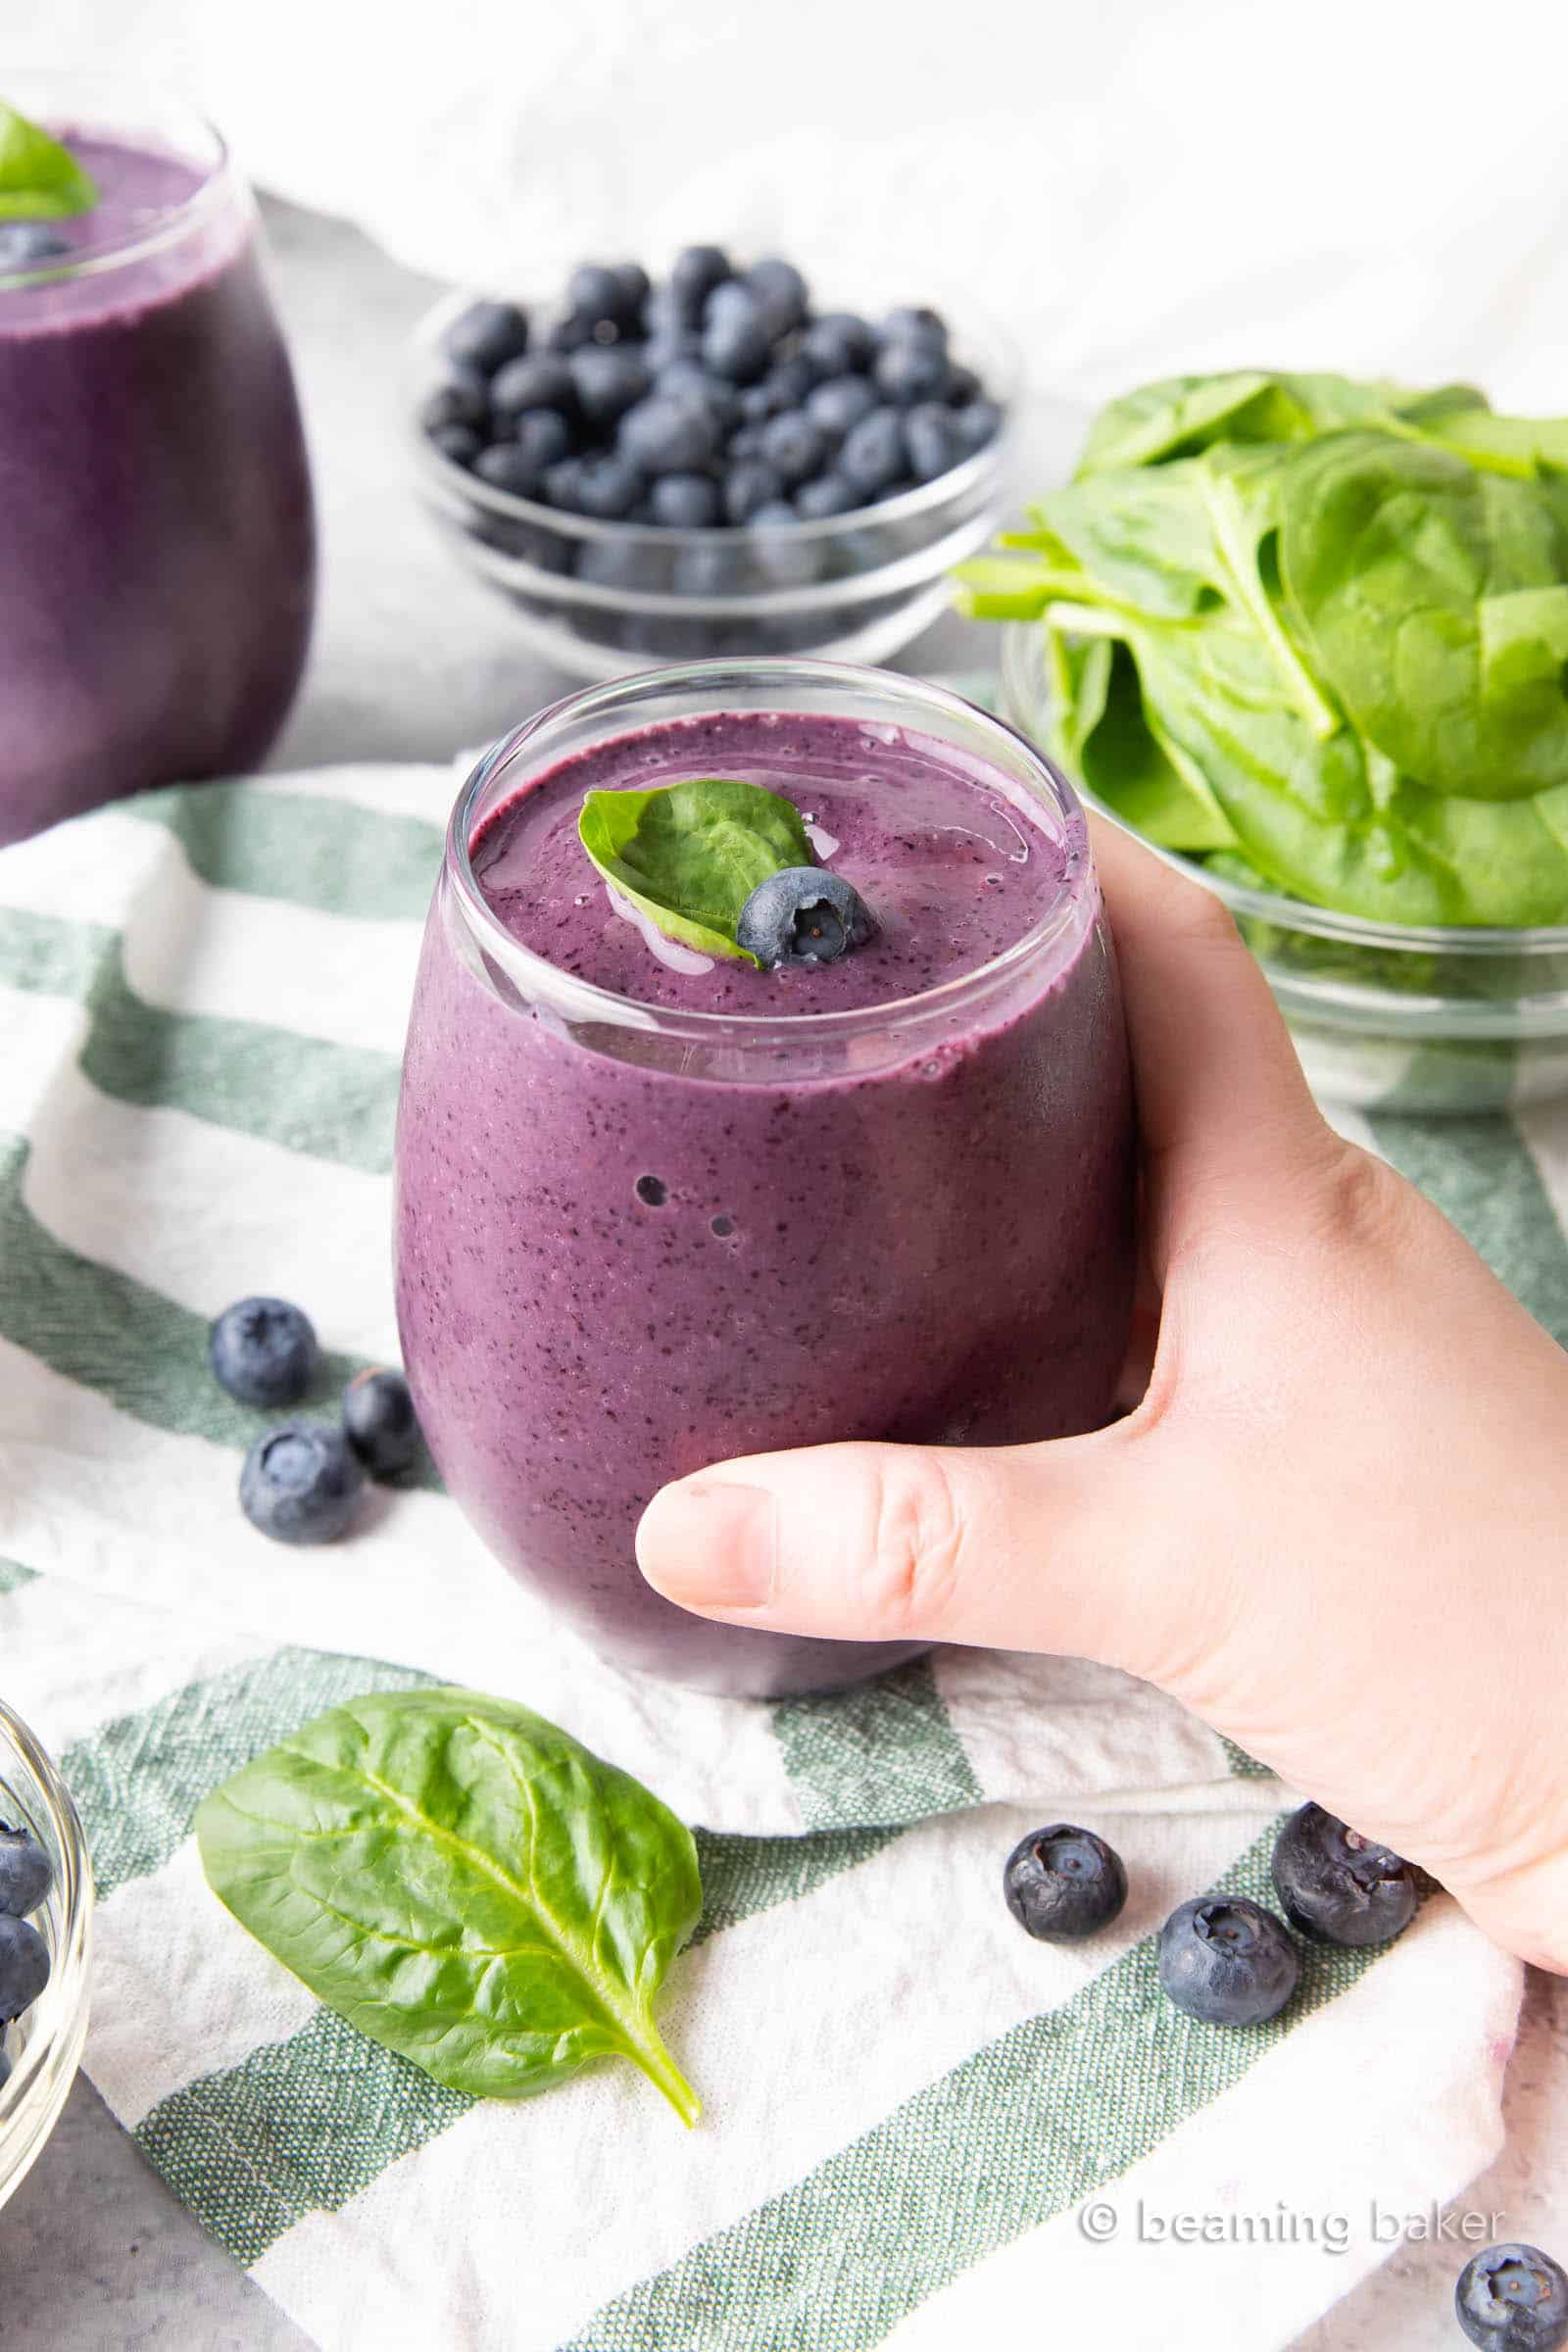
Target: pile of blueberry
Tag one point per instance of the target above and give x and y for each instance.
(26, 1875)
(717, 399)
(301, 1480)
(1223, 1960)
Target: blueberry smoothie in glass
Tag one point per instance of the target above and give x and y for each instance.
(658, 1207)
(157, 545)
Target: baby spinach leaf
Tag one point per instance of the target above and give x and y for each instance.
(690, 855)
(1137, 538)
(1390, 553)
(40, 179)
(465, 1885)
(1180, 411)
(1147, 782)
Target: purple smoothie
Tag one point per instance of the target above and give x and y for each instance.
(624, 1252)
(155, 537)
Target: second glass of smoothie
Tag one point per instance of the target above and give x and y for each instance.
(655, 1210)
(156, 536)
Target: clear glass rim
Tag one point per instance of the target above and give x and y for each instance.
(1074, 904)
(924, 499)
(1024, 681)
(61, 2010)
(206, 198)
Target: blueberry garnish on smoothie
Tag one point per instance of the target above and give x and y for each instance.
(803, 915)
(724, 868)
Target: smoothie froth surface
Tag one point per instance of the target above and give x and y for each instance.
(953, 858)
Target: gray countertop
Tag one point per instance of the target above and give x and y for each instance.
(413, 660)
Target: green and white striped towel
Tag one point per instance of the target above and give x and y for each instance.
(202, 999)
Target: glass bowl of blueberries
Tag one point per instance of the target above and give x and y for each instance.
(45, 1940)
(709, 466)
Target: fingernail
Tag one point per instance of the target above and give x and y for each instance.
(710, 1544)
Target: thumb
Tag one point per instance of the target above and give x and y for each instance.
(1040, 1546)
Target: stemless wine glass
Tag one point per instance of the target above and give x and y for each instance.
(632, 1241)
(156, 541)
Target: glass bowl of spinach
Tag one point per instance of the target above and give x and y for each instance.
(1309, 638)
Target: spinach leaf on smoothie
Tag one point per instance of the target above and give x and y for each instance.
(1320, 626)
(40, 179)
(690, 855)
(465, 1885)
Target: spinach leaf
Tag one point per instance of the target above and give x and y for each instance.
(40, 179)
(690, 855)
(1124, 761)
(465, 1885)
(1140, 539)
(1395, 556)
(1179, 413)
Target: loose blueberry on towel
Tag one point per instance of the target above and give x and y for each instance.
(379, 1422)
(802, 915)
(301, 1482)
(263, 1350)
(1063, 1882)
(27, 1873)
(1226, 1961)
(1513, 2298)
(23, 1966)
(1334, 1883)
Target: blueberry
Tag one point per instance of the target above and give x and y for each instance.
(23, 1966)
(1063, 1882)
(873, 456)
(635, 287)
(907, 325)
(788, 560)
(464, 399)
(29, 244)
(736, 343)
(977, 424)
(839, 343)
(508, 466)
(697, 271)
(542, 382)
(718, 566)
(802, 915)
(668, 349)
(684, 501)
(563, 485)
(829, 495)
(379, 1422)
(907, 373)
(607, 488)
(688, 380)
(745, 442)
(838, 405)
(788, 383)
(301, 1482)
(667, 436)
(1513, 2298)
(963, 385)
(780, 292)
(931, 441)
(793, 446)
(262, 1351)
(1226, 1961)
(5, 2065)
(458, 443)
(543, 437)
(487, 335)
(624, 564)
(748, 485)
(596, 293)
(608, 382)
(570, 333)
(1335, 1884)
(27, 1873)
